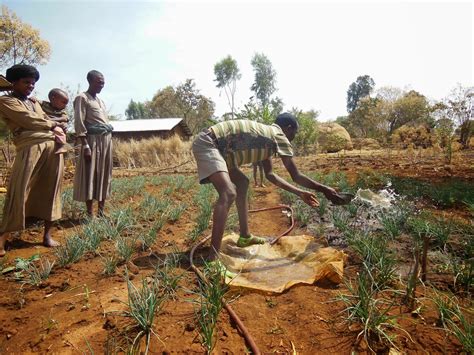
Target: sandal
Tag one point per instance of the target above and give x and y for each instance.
(247, 241)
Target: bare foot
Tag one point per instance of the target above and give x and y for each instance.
(50, 242)
(262, 185)
(3, 240)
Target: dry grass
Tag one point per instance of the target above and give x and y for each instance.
(153, 152)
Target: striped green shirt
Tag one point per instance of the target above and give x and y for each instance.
(243, 142)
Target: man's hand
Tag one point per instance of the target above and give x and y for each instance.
(309, 198)
(337, 198)
(330, 193)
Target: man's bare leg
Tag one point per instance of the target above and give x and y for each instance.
(242, 185)
(48, 241)
(89, 207)
(255, 167)
(262, 177)
(226, 190)
(3, 240)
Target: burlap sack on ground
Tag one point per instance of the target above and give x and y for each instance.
(293, 260)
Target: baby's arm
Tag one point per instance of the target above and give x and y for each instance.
(62, 118)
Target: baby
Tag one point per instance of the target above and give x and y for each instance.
(55, 109)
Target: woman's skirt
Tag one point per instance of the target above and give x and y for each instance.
(92, 179)
(34, 188)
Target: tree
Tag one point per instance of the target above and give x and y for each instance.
(307, 134)
(165, 103)
(227, 73)
(264, 114)
(359, 89)
(365, 120)
(183, 101)
(265, 78)
(20, 43)
(460, 109)
(137, 110)
(413, 108)
(392, 108)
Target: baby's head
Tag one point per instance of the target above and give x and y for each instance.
(58, 99)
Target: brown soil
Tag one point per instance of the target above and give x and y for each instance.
(79, 309)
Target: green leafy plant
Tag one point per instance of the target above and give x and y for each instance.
(148, 239)
(470, 206)
(122, 220)
(210, 302)
(441, 229)
(365, 307)
(394, 219)
(143, 304)
(452, 317)
(71, 251)
(288, 198)
(353, 209)
(150, 207)
(125, 188)
(110, 264)
(166, 273)
(125, 247)
(462, 327)
(71, 209)
(203, 200)
(37, 274)
(444, 304)
(92, 236)
(341, 219)
(303, 212)
(175, 212)
(376, 256)
(463, 272)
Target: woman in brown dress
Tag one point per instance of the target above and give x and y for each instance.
(34, 188)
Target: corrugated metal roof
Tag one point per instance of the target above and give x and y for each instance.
(151, 124)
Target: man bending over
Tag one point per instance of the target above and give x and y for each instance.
(222, 148)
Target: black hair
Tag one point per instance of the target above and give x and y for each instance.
(286, 119)
(20, 71)
(56, 92)
(92, 74)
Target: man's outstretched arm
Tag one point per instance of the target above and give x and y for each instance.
(308, 197)
(305, 181)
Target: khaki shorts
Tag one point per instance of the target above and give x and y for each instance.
(208, 158)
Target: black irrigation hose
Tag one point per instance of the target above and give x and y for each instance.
(247, 336)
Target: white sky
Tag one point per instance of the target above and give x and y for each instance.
(317, 48)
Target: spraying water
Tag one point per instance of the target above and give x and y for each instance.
(377, 200)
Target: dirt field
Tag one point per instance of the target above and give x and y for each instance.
(78, 309)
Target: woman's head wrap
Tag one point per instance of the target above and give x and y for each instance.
(19, 71)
